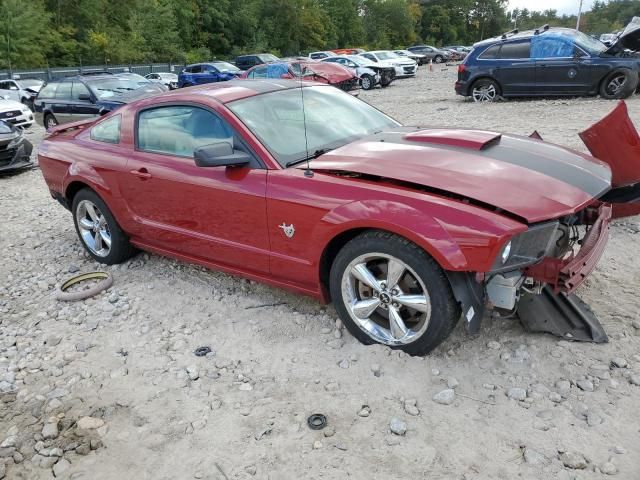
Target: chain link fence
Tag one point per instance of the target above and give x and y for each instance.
(47, 74)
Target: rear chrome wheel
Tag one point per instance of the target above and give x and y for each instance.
(388, 290)
(98, 230)
(93, 227)
(50, 121)
(484, 91)
(386, 299)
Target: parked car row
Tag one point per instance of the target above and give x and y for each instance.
(82, 96)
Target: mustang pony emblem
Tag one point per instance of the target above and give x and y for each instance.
(289, 230)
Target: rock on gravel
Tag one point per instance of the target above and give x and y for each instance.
(445, 397)
(534, 457)
(411, 407)
(608, 468)
(573, 460)
(90, 423)
(398, 426)
(50, 430)
(61, 467)
(517, 393)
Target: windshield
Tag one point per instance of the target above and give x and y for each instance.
(114, 87)
(590, 44)
(31, 82)
(267, 57)
(225, 67)
(386, 55)
(332, 117)
(361, 61)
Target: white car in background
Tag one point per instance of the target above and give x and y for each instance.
(15, 113)
(23, 90)
(405, 67)
(168, 79)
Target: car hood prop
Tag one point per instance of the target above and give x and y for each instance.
(628, 39)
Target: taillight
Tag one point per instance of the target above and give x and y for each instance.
(461, 68)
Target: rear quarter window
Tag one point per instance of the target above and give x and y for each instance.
(490, 53)
(107, 131)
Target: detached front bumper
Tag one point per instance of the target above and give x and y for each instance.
(565, 275)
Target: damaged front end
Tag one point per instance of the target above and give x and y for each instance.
(15, 149)
(542, 291)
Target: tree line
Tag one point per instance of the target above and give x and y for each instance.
(37, 33)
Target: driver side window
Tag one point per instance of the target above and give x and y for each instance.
(178, 130)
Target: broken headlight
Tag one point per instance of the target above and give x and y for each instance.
(526, 248)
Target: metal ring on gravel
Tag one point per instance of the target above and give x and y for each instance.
(65, 296)
(317, 421)
(202, 351)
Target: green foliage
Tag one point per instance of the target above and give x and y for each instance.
(36, 33)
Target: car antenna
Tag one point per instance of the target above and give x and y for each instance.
(308, 172)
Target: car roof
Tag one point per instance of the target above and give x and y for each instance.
(82, 78)
(525, 34)
(232, 90)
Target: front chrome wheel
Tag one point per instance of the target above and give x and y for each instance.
(616, 84)
(386, 299)
(94, 229)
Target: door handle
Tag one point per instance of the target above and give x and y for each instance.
(141, 173)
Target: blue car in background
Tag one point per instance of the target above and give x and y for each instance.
(209, 72)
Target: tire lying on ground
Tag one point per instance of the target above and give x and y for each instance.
(388, 290)
(620, 83)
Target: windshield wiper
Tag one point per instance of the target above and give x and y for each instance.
(316, 154)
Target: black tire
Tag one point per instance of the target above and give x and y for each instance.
(485, 85)
(444, 310)
(50, 121)
(367, 82)
(438, 59)
(621, 83)
(120, 249)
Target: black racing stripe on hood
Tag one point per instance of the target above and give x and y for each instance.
(590, 177)
(545, 158)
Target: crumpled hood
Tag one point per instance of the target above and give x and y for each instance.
(529, 178)
(629, 38)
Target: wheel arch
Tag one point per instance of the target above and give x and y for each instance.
(442, 249)
(615, 69)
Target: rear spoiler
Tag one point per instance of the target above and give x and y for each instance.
(66, 127)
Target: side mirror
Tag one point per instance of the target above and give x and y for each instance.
(220, 154)
(84, 97)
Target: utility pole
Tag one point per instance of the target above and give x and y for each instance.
(579, 13)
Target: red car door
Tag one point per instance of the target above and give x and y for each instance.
(212, 213)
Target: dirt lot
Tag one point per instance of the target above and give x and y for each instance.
(125, 358)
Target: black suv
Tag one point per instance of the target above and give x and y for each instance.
(245, 62)
(84, 96)
(550, 61)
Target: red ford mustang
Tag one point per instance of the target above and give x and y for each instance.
(405, 229)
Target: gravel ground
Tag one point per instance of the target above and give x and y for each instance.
(109, 388)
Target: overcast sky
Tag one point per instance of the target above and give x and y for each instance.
(562, 6)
